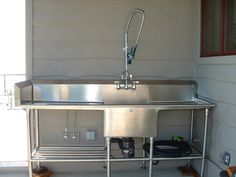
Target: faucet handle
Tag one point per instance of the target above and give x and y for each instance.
(134, 83)
(117, 85)
(126, 86)
(131, 77)
(131, 54)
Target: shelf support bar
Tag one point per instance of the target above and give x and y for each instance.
(191, 133)
(151, 156)
(108, 157)
(204, 141)
(28, 112)
(37, 141)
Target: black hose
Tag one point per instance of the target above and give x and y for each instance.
(169, 148)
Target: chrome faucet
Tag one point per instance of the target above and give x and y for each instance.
(129, 55)
(126, 77)
(126, 82)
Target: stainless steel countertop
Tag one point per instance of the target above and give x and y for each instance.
(102, 95)
(158, 105)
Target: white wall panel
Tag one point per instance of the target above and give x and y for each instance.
(224, 73)
(217, 82)
(218, 90)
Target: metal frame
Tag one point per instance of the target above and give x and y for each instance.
(37, 154)
(150, 95)
(29, 139)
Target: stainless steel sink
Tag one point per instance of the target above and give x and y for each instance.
(130, 122)
(86, 92)
(127, 113)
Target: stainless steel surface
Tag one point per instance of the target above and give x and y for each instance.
(204, 142)
(151, 156)
(65, 154)
(72, 148)
(172, 92)
(29, 142)
(73, 154)
(191, 127)
(37, 139)
(96, 154)
(130, 122)
(99, 95)
(133, 111)
(111, 96)
(23, 92)
(108, 142)
(129, 159)
(167, 106)
(68, 92)
(56, 159)
(191, 133)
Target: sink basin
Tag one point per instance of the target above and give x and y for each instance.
(130, 122)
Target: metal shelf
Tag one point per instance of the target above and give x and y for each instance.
(101, 153)
(196, 154)
(69, 154)
(94, 154)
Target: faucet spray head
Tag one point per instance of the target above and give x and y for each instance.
(131, 54)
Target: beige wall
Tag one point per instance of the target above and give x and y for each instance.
(85, 37)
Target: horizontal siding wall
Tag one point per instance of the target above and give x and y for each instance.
(53, 124)
(216, 82)
(73, 38)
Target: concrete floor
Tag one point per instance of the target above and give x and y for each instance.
(167, 172)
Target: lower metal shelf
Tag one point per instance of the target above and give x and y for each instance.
(93, 154)
(69, 154)
(196, 154)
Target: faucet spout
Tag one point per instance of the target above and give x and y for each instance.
(127, 81)
(129, 55)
